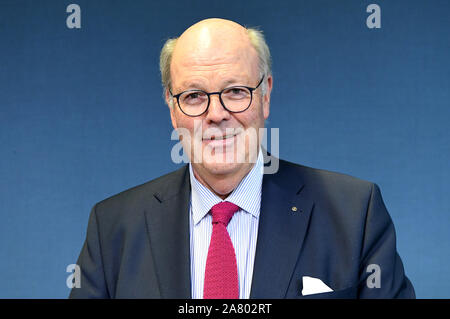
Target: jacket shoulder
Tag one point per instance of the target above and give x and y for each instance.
(136, 198)
(314, 175)
(328, 185)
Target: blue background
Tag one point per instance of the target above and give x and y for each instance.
(82, 116)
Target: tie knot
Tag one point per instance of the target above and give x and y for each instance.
(222, 212)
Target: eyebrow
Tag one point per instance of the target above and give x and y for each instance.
(199, 86)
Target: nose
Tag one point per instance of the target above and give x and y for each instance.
(216, 112)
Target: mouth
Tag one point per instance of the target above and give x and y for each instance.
(219, 137)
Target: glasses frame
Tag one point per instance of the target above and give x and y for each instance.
(251, 89)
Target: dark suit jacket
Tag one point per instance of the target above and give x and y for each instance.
(137, 243)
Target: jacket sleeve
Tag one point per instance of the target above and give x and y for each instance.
(381, 273)
(92, 280)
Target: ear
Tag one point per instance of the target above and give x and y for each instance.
(266, 97)
(169, 99)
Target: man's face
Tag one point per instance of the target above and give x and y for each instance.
(212, 59)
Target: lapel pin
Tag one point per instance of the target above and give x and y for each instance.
(295, 209)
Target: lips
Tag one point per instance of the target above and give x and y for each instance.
(215, 134)
(218, 138)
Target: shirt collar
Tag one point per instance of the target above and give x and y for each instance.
(247, 195)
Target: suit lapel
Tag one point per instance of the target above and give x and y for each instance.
(280, 234)
(168, 230)
(283, 223)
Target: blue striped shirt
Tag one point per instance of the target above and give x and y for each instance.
(243, 227)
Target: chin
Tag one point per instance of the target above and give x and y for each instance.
(216, 168)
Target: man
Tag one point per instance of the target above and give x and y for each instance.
(219, 227)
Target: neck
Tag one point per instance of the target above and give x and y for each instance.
(221, 184)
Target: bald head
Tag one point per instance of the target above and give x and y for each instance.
(209, 40)
(215, 27)
(208, 37)
(213, 45)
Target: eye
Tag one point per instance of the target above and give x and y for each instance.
(193, 97)
(236, 93)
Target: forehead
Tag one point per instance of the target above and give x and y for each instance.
(209, 55)
(240, 60)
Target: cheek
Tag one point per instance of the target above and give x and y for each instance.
(255, 118)
(189, 128)
(179, 120)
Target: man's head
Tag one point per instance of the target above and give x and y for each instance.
(213, 55)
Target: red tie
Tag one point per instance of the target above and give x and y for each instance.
(221, 276)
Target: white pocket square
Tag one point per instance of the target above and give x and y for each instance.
(313, 285)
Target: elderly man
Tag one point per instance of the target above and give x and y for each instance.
(221, 228)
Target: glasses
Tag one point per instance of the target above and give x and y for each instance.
(234, 99)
